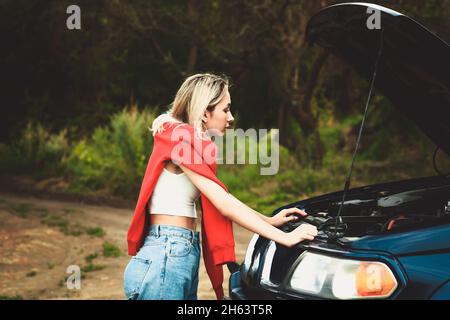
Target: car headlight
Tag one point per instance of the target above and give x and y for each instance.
(335, 278)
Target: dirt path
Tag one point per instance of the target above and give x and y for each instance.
(39, 239)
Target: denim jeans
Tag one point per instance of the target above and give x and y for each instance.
(166, 266)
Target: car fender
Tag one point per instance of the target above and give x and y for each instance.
(442, 293)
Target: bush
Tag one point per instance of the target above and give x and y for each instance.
(37, 151)
(115, 157)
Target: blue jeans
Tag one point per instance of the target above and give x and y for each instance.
(166, 266)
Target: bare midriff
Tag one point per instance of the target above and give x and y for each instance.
(173, 220)
(179, 221)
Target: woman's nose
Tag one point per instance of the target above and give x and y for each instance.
(230, 118)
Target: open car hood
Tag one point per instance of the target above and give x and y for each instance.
(414, 68)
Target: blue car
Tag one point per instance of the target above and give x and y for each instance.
(383, 241)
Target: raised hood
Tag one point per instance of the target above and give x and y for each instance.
(414, 68)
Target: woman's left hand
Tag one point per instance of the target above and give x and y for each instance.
(286, 215)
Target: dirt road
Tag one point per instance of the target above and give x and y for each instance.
(40, 239)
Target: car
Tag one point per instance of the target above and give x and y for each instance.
(383, 241)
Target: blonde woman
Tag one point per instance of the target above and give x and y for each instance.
(162, 237)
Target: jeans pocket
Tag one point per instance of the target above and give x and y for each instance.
(179, 247)
(134, 276)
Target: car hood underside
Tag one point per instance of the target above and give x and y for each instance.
(413, 71)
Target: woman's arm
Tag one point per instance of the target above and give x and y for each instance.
(265, 218)
(248, 218)
(281, 217)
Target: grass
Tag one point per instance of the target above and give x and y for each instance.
(64, 281)
(111, 250)
(96, 232)
(25, 210)
(71, 229)
(20, 209)
(55, 221)
(16, 297)
(43, 211)
(62, 225)
(31, 274)
(91, 257)
(69, 210)
(90, 267)
(74, 230)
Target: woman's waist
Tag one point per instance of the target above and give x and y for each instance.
(173, 207)
(173, 220)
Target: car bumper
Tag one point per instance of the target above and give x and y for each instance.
(235, 289)
(239, 291)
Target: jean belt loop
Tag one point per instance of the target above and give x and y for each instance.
(157, 231)
(193, 236)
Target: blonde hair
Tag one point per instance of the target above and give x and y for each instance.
(198, 93)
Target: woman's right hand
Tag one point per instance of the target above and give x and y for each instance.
(303, 232)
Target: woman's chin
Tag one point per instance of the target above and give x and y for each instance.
(216, 132)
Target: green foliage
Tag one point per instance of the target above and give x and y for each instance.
(20, 209)
(96, 232)
(90, 267)
(70, 229)
(16, 297)
(115, 157)
(37, 151)
(111, 250)
(31, 273)
(238, 177)
(91, 257)
(63, 225)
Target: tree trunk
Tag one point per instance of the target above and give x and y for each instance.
(306, 119)
(192, 60)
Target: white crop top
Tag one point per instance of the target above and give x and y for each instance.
(174, 194)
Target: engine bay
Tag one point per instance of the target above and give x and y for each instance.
(377, 213)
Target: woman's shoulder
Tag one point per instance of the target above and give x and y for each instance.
(163, 121)
(172, 132)
(167, 126)
(174, 127)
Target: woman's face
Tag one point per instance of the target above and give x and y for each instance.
(220, 118)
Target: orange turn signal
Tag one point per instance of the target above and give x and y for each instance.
(374, 279)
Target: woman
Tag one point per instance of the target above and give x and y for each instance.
(163, 234)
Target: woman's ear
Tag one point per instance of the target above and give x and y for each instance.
(205, 117)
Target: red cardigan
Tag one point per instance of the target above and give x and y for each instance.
(181, 144)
